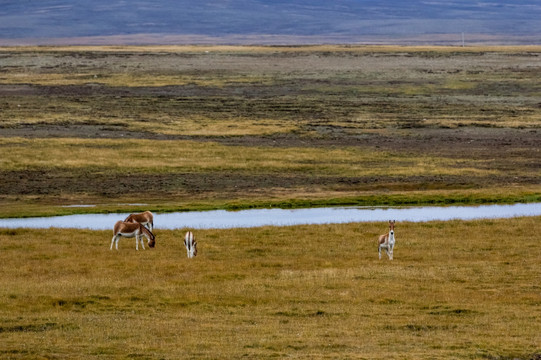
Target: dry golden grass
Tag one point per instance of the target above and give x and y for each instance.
(280, 124)
(130, 79)
(63, 166)
(426, 91)
(456, 290)
(170, 156)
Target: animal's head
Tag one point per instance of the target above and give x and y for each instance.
(391, 227)
(151, 237)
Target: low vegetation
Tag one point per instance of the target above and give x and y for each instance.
(238, 127)
(213, 175)
(188, 128)
(459, 289)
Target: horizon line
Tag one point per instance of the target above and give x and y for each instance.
(449, 39)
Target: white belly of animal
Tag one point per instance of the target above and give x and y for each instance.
(129, 234)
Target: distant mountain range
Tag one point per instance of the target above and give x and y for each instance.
(260, 21)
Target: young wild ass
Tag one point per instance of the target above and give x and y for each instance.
(146, 218)
(191, 244)
(137, 230)
(386, 241)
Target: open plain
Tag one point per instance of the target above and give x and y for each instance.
(188, 128)
(239, 127)
(455, 290)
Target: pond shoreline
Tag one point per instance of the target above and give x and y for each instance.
(222, 219)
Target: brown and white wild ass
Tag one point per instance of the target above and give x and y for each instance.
(146, 218)
(191, 244)
(137, 230)
(387, 241)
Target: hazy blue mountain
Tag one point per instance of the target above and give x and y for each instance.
(21, 19)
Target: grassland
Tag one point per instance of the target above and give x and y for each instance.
(213, 175)
(234, 127)
(184, 128)
(456, 290)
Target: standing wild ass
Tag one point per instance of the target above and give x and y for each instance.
(386, 241)
(137, 230)
(191, 244)
(145, 218)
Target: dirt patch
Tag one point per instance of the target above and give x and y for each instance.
(226, 184)
(454, 143)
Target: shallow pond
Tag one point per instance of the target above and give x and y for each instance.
(221, 219)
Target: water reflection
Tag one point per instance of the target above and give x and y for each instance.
(221, 219)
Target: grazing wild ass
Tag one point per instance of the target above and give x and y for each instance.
(386, 241)
(137, 230)
(191, 244)
(146, 218)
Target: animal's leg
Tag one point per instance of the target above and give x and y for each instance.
(112, 241)
(379, 252)
(142, 242)
(136, 242)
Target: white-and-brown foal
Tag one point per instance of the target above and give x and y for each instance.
(191, 244)
(146, 218)
(137, 230)
(387, 241)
